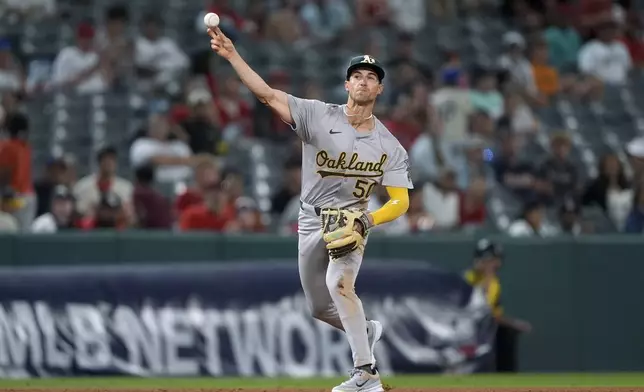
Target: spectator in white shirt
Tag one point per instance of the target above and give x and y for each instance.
(158, 57)
(80, 66)
(62, 215)
(606, 58)
(88, 190)
(453, 105)
(441, 201)
(171, 158)
(11, 75)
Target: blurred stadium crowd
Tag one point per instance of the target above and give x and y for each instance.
(520, 116)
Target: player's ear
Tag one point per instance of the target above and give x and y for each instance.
(381, 88)
(346, 85)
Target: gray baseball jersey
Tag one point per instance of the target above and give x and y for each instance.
(340, 168)
(340, 165)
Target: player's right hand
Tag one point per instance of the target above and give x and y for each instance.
(221, 44)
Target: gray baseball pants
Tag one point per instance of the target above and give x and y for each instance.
(329, 286)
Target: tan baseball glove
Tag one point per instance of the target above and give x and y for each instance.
(344, 230)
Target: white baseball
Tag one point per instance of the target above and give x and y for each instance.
(211, 19)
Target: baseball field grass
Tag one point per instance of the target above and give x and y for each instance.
(522, 382)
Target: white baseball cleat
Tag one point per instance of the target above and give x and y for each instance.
(374, 333)
(361, 381)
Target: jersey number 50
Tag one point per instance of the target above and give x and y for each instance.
(363, 189)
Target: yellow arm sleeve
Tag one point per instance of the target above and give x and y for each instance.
(396, 206)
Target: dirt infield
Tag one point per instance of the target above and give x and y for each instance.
(389, 389)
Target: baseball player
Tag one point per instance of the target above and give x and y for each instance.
(346, 153)
(488, 259)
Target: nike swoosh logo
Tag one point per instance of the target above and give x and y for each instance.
(361, 385)
(332, 132)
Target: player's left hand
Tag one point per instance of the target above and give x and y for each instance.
(344, 230)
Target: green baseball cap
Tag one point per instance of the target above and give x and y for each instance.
(366, 61)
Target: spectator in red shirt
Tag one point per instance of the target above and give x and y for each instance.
(88, 189)
(107, 214)
(206, 172)
(472, 203)
(211, 215)
(151, 207)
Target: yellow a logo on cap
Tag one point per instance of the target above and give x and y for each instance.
(368, 59)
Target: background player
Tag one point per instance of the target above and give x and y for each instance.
(346, 153)
(488, 259)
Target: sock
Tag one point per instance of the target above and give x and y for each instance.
(368, 368)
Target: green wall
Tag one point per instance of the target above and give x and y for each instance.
(584, 297)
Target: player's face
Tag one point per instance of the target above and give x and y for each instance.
(363, 86)
(488, 265)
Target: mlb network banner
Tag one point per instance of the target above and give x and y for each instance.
(232, 319)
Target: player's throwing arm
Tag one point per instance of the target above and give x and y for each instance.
(223, 46)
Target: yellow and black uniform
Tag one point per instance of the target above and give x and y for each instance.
(488, 257)
(492, 291)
